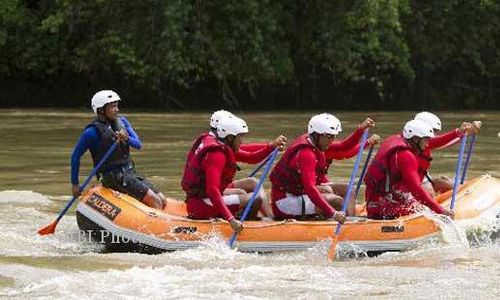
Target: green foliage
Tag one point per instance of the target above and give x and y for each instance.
(357, 41)
(455, 50)
(174, 51)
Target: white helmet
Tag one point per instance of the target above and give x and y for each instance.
(219, 115)
(102, 98)
(417, 128)
(231, 126)
(430, 119)
(324, 123)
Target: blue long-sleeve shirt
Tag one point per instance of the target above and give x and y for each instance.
(91, 140)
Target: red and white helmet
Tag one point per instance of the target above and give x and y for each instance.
(430, 119)
(417, 128)
(219, 115)
(102, 98)
(231, 126)
(324, 123)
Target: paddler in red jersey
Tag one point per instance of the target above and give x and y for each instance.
(246, 185)
(441, 184)
(298, 175)
(394, 177)
(210, 169)
(345, 149)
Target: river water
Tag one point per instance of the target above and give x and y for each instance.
(34, 186)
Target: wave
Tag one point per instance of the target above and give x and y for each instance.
(23, 197)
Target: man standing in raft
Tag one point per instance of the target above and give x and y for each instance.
(394, 177)
(441, 184)
(297, 178)
(210, 169)
(118, 172)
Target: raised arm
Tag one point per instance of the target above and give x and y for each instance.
(255, 156)
(134, 141)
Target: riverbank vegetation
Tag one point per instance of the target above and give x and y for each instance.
(252, 54)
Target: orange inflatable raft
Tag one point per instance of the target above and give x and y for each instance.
(124, 224)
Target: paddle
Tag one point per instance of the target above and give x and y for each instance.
(457, 172)
(467, 160)
(50, 229)
(261, 164)
(362, 176)
(333, 246)
(255, 192)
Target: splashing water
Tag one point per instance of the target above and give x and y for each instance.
(484, 230)
(451, 233)
(61, 266)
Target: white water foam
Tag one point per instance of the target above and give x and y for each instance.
(23, 197)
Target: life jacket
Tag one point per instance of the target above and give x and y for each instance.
(286, 177)
(193, 179)
(379, 177)
(329, 163)
(120, 157)
(424, 162)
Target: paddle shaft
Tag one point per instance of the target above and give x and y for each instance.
(457, 172)
(353, 177)
(467, 160)
(94, 171)
(261, 164)
(363, 172)
(255, 192)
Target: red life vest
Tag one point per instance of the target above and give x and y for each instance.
(193, 179)
(286, 177)
(379, 178)
(424, 161)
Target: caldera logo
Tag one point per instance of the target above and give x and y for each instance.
(103, 206)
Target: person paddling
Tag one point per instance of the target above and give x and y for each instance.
(246, 185)
(345, 149)
(297, 177)
(118, 172)
(394, 177)
(210, 168)
(441, 184)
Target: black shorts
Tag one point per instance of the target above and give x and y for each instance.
(128, 182)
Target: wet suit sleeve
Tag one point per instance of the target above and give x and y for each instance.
(445, 140)
(134, 141)
(251, 147)
(213, 164)
(340, 155)
(88, 140)
(307, 168)
(408, 166)
(253, 157)
(346, 145)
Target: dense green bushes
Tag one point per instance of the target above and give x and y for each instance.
(349, 54)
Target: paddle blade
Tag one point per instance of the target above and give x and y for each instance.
(49, 229)
(333, 248)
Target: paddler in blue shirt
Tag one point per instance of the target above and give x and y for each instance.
(118, 172)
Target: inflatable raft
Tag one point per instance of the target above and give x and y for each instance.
(125, 224)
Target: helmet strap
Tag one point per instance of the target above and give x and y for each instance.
(101, 116)
(229, 141)
(415, 144)
(314, 137)
(101, 111)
